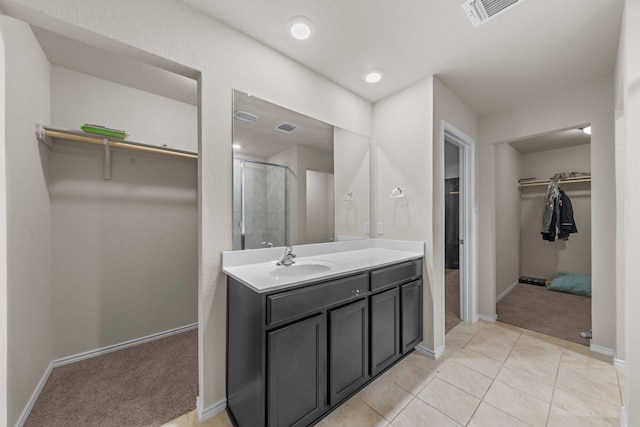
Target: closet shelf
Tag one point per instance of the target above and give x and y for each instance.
(45, 134)
(561, 181)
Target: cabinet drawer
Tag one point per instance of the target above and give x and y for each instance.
(291, 304)
(395, 274)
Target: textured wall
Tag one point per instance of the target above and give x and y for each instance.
(147, 118)
(352, 174)
(29, 290)
(447, 107)
(124, 250)
(540, 258)
(171, 34)
(403, 124)
(631, 195)
(590, 103)
(507, 217)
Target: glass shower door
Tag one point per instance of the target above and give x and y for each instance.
(260, 208)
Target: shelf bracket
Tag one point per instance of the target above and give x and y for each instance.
(42, 136)
(107, 159)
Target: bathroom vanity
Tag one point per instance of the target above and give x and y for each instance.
(301, 339)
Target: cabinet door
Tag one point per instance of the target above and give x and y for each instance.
(296, 391)
(411, 299)
(348, 350)
(385, 329)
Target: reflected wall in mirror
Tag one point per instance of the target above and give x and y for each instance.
(296, 180)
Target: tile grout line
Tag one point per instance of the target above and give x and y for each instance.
(553, 393)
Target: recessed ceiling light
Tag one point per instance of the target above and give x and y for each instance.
(373, 76)
(587, 130)
(300, 27)
(236, 146)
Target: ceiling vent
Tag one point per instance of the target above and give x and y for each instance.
(287, 127)
(480, 11)
(244, 117)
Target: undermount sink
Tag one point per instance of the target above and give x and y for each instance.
(302, 268)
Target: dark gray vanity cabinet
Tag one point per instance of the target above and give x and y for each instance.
(295, 354)
(348, 350)
(396, 313)
(297, 363)
(385, 329)
(411, 323)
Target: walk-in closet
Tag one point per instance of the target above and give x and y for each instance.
(543, 241)
(117, 233)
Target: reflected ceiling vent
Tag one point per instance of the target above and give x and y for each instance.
(244, 117)
(287, 127)
(480, 11)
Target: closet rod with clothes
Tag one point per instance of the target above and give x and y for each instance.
(44, 134)
(560, 181)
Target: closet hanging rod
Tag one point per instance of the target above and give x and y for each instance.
(42, 133)
(561, 181)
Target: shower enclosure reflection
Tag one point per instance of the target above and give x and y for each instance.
(296, 180)
(260, 204)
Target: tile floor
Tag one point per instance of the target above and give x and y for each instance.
(491, 375)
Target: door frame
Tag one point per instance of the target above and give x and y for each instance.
(450, 133)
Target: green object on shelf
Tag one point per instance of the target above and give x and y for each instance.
(102, 130)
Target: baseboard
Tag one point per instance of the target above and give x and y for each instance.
(624, 422)
(618, 363)
(602, 350)
(506, 291)
(430, 353)
(34, 396)
(120, 346)
(211, 411)
(488, 318)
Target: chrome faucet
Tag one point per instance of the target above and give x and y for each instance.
(288, 257)
(267, 244)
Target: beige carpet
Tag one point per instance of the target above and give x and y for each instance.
(145, 385)
(451, 299)
(536, 308)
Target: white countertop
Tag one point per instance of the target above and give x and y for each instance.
(257, 268)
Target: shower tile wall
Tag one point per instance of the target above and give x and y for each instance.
(277, 206)
(237, 205)
(255, 206)
(266, 207)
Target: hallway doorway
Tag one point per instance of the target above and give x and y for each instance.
(458, 160)
(452, 292)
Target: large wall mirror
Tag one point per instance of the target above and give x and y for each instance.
(296, 180)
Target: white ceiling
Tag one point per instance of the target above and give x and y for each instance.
(534, 49)
(551, 141)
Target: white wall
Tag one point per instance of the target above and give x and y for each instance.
(3, 239)
(124, 250)
(447, 107)
(351, 165)
(629, 145)
(539, 258)
(147, 118)
(589, 103)
(28, 216)
(411, 122)
(507, 211)
(171, 34)
(320, 214)
(308, 159)
(402, 123)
